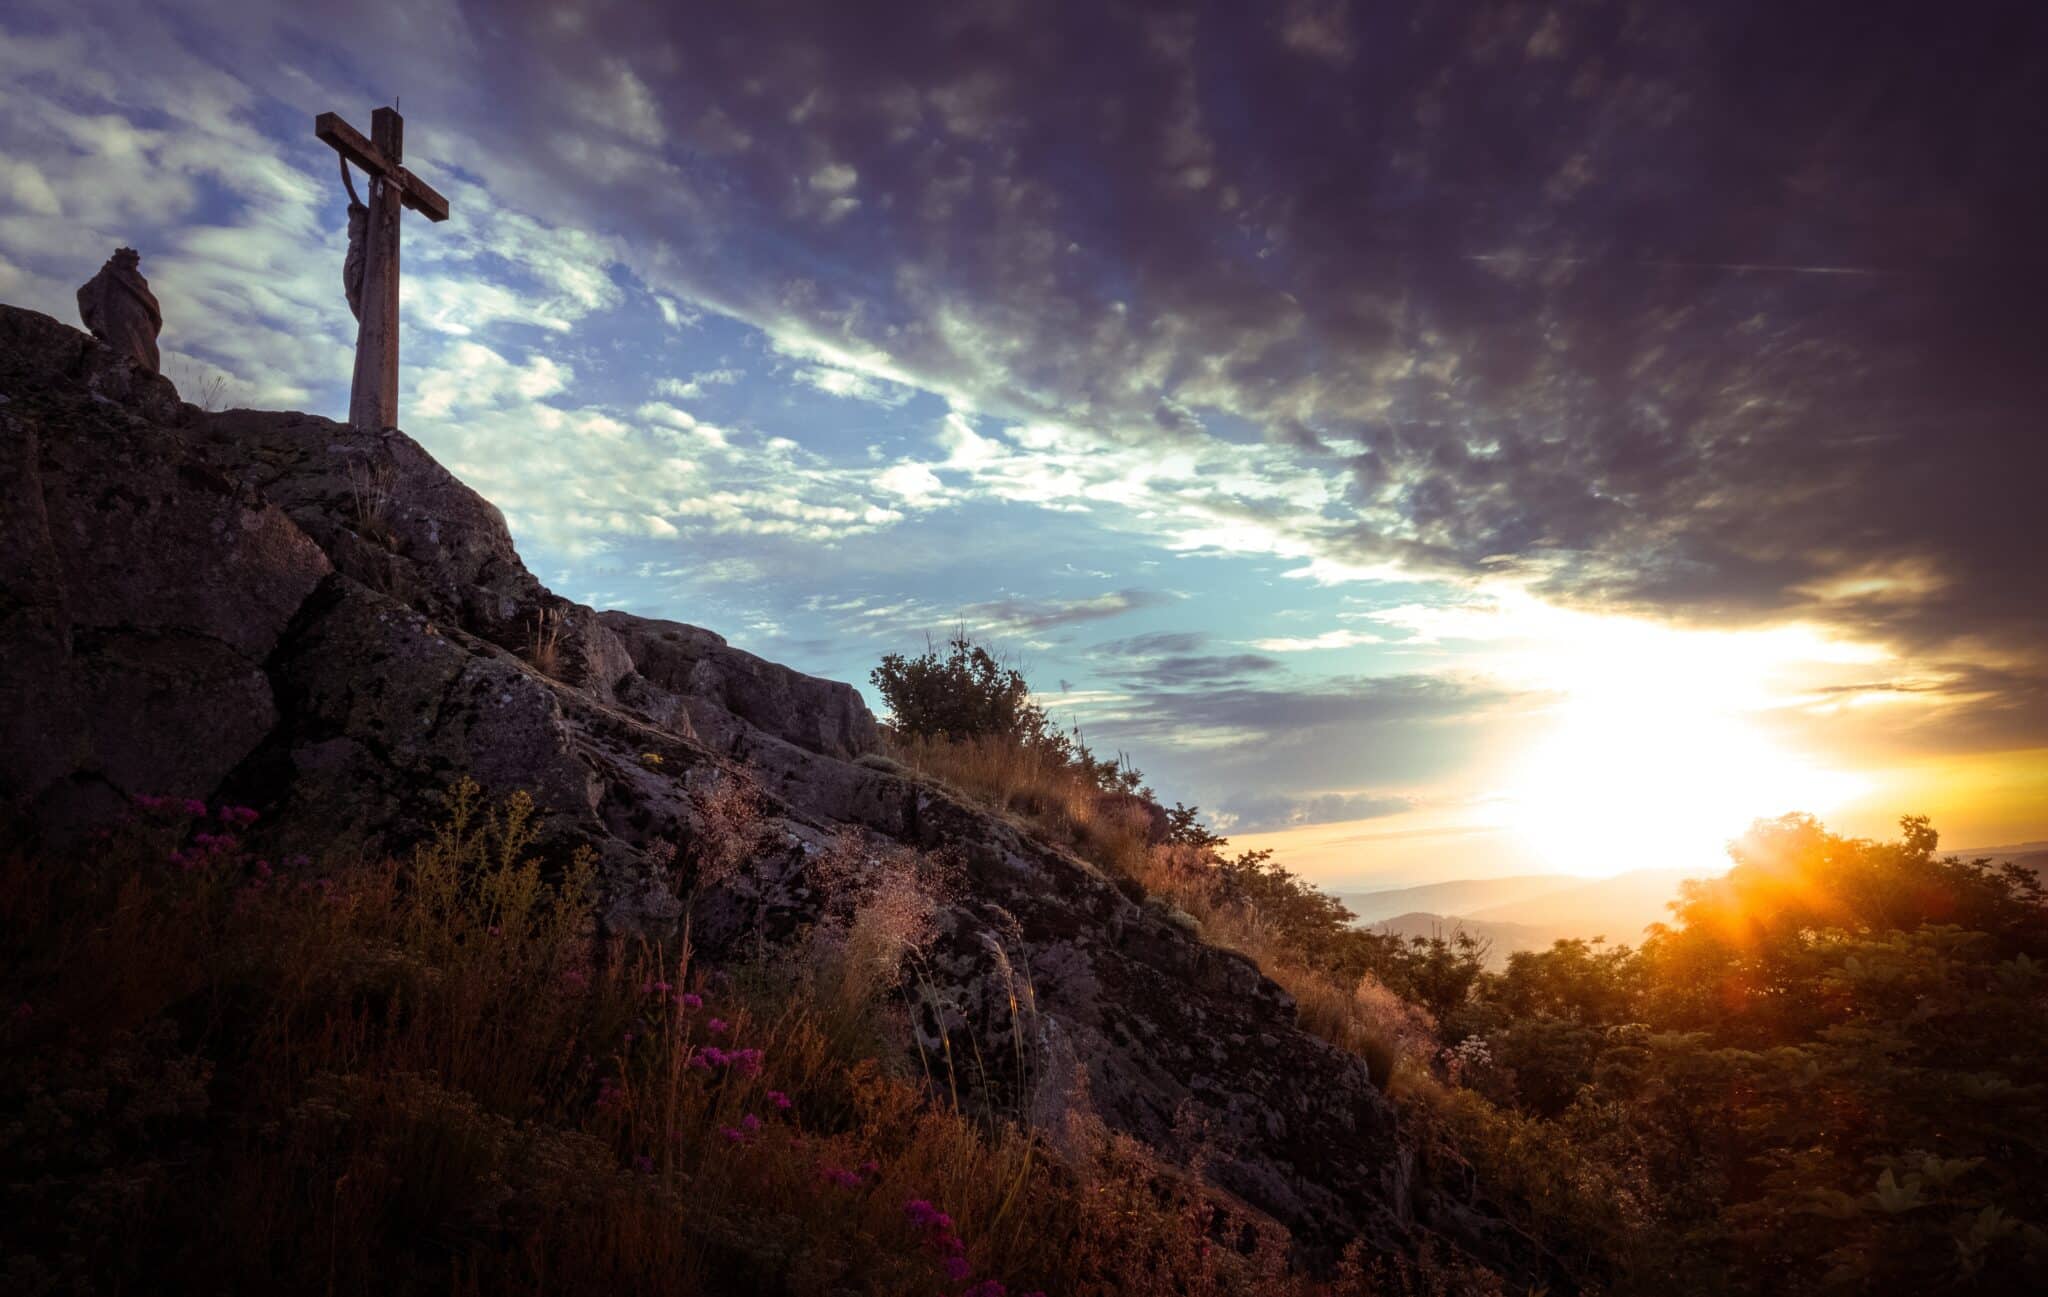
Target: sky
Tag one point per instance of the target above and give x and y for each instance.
(1439, 440)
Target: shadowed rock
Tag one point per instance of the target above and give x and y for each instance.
(322, 622)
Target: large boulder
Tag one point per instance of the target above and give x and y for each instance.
(712, 677)
(142, 590)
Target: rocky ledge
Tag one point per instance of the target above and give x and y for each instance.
(277, 610)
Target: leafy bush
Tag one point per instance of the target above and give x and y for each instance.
(967, 694)
(1821, 1074)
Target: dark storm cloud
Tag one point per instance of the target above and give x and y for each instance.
(1727, 310)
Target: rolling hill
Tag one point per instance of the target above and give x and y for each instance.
(1524, 911)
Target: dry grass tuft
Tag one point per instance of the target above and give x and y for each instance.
(544, 642)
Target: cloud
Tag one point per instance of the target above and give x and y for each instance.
(852, 384)
(1329, 639)
(1047, 614)
(1154, 644)
(917, 485)
(693, 387)
(473, 377)
(1645, 316)
(1201, 669)
(1568, 274)
(1264, 814)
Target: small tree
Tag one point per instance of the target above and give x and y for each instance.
(965, 694)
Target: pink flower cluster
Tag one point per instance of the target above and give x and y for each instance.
(749, 1126)
(939, 1237)
(747, 1062)
(235, 816)
(205, 847)
(846, 1179)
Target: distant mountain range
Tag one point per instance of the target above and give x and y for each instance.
(1530, 911)
(2031, 855)
(1524, 911)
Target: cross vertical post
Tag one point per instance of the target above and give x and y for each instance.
(373, 395)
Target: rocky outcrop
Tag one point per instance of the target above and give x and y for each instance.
(279, 610)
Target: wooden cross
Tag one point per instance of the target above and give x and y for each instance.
(373, 396)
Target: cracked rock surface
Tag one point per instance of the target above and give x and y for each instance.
(277, 610)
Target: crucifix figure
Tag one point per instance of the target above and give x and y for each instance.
(371, 274)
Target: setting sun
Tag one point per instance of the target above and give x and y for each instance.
(1658, 745)
(1624, 781)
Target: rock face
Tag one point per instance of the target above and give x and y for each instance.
(321, 622)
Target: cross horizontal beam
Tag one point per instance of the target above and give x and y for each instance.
(349, 142)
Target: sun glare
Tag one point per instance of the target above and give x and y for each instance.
(1656, 751)
(1621, 784)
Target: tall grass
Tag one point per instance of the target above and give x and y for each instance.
(435, 1075)
(1036, 785)
(1119, 833)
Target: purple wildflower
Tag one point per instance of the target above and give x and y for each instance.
(193, 806)
(716, 1026)
(779, 1100)
(957, 1269)
(691, 1001)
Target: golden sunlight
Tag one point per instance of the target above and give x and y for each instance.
(1627, 782)
(1656, 750)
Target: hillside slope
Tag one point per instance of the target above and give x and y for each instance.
(277, 610)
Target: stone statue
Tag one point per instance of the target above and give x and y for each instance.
(119, 309)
